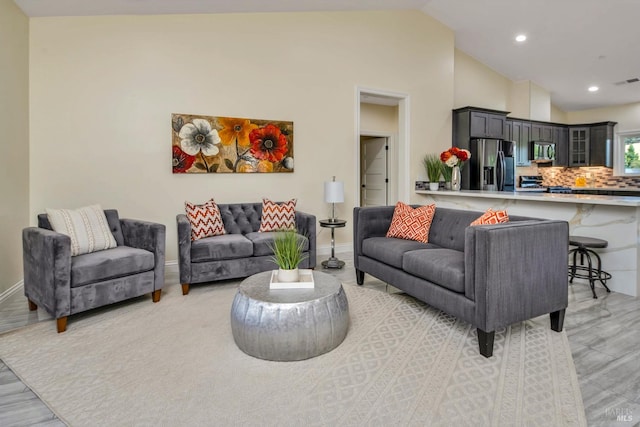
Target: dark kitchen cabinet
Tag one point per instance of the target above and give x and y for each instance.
(601, 144)
(541, 132)
(521, 134)
(507, 133)
(579, 146)
(561, 139)
(472, 122)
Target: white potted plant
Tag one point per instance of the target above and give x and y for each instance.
(288, 253)
(433, 167)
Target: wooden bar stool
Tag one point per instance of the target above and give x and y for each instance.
(584, 246)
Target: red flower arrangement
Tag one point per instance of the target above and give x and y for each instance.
(455, 156)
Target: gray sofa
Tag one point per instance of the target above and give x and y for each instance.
(242, 252)
(490, 276)
(64, 285)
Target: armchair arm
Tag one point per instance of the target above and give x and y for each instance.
(372, 221)
(149, 236)
(46, 259)
(518, 270)
(306, 225)
(184, 248)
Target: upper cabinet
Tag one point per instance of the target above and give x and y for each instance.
(470, 122)
(578, 146)
(541, 132)
(591, 145)
(521, 134)
(561, 139)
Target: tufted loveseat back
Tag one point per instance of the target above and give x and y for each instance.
(241, 218)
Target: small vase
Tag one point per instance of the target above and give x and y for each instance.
(433, 186)
(456, 177)
(447, 185)
(288, 275)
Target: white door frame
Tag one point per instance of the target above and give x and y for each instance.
(401, 164)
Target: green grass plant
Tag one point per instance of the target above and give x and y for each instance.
(288, 249)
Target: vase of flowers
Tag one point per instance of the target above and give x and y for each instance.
(453, 160)
(433, 167)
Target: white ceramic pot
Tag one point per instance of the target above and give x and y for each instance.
(433, 186)
(288, 275)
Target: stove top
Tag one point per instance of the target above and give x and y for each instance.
(559, 189)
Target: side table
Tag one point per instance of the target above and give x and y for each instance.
(333, 262)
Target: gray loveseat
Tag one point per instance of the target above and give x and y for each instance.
(490, 276)
(242, 252)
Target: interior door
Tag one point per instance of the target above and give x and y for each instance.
(374, 180)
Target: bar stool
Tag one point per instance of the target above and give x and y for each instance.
(583, 247)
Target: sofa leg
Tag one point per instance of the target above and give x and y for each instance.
(485, 341)
(185, 288)
(359, 277)
(155, 295)
(557, 320)
(61, 323)
(32, 305)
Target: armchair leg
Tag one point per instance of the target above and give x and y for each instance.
(485, 341)
(155, 295)
(557, 320)
(185, 288)
(61, 323)
(32, 305)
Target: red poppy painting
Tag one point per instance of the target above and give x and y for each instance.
(207, 144)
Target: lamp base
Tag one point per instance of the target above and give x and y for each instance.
(333, 262)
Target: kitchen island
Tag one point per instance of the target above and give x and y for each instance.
(613, 218)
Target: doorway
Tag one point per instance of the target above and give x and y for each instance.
(396, 182)
(374, 170)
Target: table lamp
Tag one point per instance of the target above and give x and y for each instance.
(333, 193)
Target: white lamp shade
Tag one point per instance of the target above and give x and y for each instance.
(334, 192)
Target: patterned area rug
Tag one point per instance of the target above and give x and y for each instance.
(402, 363)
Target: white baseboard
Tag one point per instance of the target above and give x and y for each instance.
(12, 290)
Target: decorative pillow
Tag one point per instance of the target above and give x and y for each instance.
(205, 220)
(492, 217)
(278, 216)
(411, 224)
(87, 227)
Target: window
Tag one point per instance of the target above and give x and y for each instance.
(628, 157)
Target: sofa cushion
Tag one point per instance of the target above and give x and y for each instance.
(262, 242)
(410, 223)
(205, 219)
(390, 250)
(492, 217)
(240, 218)
(87, 227)
(278, 216)
(444, 267)
(109, 264)
(216, 248)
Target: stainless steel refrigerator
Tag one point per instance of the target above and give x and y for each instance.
(491, 166)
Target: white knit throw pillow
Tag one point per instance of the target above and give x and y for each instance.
(87, 227)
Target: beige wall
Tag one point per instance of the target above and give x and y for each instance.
(14, 122)
(477, 85)
(540, 102)
(378, 118)
(627, 116)
(103, 90)
(558, 115)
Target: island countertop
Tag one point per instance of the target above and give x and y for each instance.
(540, 197)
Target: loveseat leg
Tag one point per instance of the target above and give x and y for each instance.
(155, 295)
(557, 320)
(61, 324)
(485, 341)
(185, 288)
(359, 277)
(32, 305)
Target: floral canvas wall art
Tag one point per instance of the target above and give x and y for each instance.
(207, 144)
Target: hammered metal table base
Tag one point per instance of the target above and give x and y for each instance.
(289, 324)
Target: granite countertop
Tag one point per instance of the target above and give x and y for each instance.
(540, 197)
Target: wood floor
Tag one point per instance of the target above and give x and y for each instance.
(604, 335)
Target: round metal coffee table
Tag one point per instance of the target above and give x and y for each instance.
(289, 324)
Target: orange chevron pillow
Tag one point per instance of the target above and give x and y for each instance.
(411, 224)
(491, 217)
(278, 216)
(205, 220)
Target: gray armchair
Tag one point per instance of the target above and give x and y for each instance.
(64, 285)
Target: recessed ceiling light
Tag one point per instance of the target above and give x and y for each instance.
(520, 38)
(593, 88)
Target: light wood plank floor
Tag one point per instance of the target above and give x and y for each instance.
(604, 335)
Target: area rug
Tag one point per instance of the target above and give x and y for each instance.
(402, 363)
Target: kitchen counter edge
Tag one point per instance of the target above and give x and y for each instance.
(540, 197)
